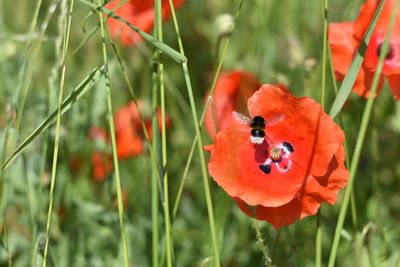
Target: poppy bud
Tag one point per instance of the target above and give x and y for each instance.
(224, 24)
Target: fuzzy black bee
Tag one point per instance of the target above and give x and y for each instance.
(257, 125)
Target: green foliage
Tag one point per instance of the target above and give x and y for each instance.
(279, 41)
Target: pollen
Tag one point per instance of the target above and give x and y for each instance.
(276, 154)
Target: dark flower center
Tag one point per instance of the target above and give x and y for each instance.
(279, 156)
(390, 52)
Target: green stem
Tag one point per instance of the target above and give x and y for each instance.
(360, 140)
(355, 66)
(318, 238)
(261, 244)
(318, 242)
(168, 239)
(216, 75)
(57, 137)
(324, 54)
(54, 166)
(199, 142)
(113, 144)
(179, 58)
(346, 146)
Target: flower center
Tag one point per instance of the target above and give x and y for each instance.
(279, 156)
(390, 52)
(276, 154)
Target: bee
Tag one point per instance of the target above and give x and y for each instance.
(258, 124)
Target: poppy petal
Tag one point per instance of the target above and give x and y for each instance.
(129, 143)
(392, 61)
(234, 165)
(363, 82)
(137, 12)
(315, 136)
(316, 190)
(127, 131)
(366, 14)
(394, 83)
(343, 46)
(231, 92)
(102, 165)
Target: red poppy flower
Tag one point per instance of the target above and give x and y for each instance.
(231, 92)
(129, 132)
(102, 163)
(139, 13)
(344, 39)
(299, 164)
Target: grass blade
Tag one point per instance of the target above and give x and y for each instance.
(216, 75)
(355, 66)
(58, 130)
(114, 145)
(199, 142)
(165, 203)
(318, 235)
(75, 95)
(175, 55)
(360, 140)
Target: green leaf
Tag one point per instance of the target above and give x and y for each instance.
(175, 55)
(75, 95)
(355, 66)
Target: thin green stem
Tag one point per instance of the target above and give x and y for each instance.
(113, 144)
(216, 75)
(183, 179)
(27, 66)
(22, 90)
(57, 135)
(355, 66)
(318, 237)
(94, 29)
(54, 166)
(168, 239)
(324, 54)
(155, 178)
(203, 166)
(22, 75)
(199, 141)
(346, 146)
(360, 139)
(318, 242)
(156, 166)
(260, 242)
(160, 45)
(156, 170)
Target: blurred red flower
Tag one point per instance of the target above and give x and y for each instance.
(344, 39)
(102, 163)
(129, 132)
(139, 13)
(299, 165)
(129, 138)
(231, 92)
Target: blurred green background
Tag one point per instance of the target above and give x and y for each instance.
(278, 41)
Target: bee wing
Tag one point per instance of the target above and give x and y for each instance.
(241, 118)
(275, 119)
